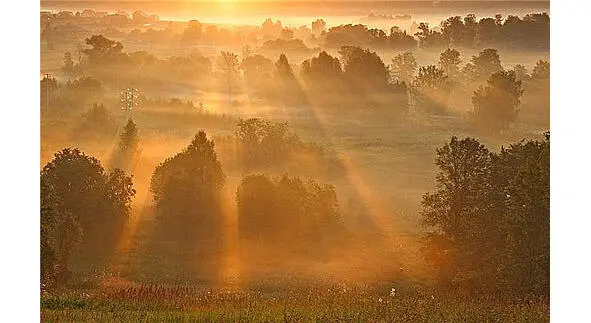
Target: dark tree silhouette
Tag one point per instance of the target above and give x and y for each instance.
(48, 220)
(102, 48)
(323, 69)
(364, 68)
(129, 138)
(127, 151)
(489, 217)
(283, 68)
(80, 200)
(186, 190)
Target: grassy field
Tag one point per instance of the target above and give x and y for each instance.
(327, 303)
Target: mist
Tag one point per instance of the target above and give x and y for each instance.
(275, 147)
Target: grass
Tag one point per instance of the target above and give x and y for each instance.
(326, 303)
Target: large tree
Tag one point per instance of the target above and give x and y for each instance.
(323, 69)
(364, 68)
(186, 189)
(496, 103)
(488, 219)
(455, 208)
(102, 48)
(82, 201)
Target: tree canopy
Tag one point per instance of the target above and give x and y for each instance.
(496, 103)
(81, 201)
(489, 216)
(186, 189)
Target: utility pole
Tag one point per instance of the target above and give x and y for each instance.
(48, 78)
(45, 148)
(129, 99)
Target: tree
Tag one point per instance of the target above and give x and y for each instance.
(525, 171)
(496, 103)
(449, 61)
(400, 40)
(263, 143)
(482, 66)
(521, 73)
(318, 26)
(364, 68)
(283, 68)
(286, 34)
(129, 137)
(128, 146)
(102, 48)
(488, 218)
(429, 38)
(288, 214)
(404, 67)
(81, 202)
(48, 219)
(487, 32)
(96, 123)
(541, 71)
(186, 190)
(228, 65)
(455, 209)
(322, 69)
(431, 89)
(258, 70)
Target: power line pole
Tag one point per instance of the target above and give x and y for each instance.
(48, 78)
(129, 99)
(45, 148)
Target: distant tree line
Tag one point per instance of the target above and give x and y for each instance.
(360, 35)
(532, 32)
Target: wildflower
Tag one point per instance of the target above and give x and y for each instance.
(393, 292)
(432, 297)
(379, 300)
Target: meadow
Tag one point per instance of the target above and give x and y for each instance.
(324, 302)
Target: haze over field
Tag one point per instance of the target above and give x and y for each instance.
(199, 156)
